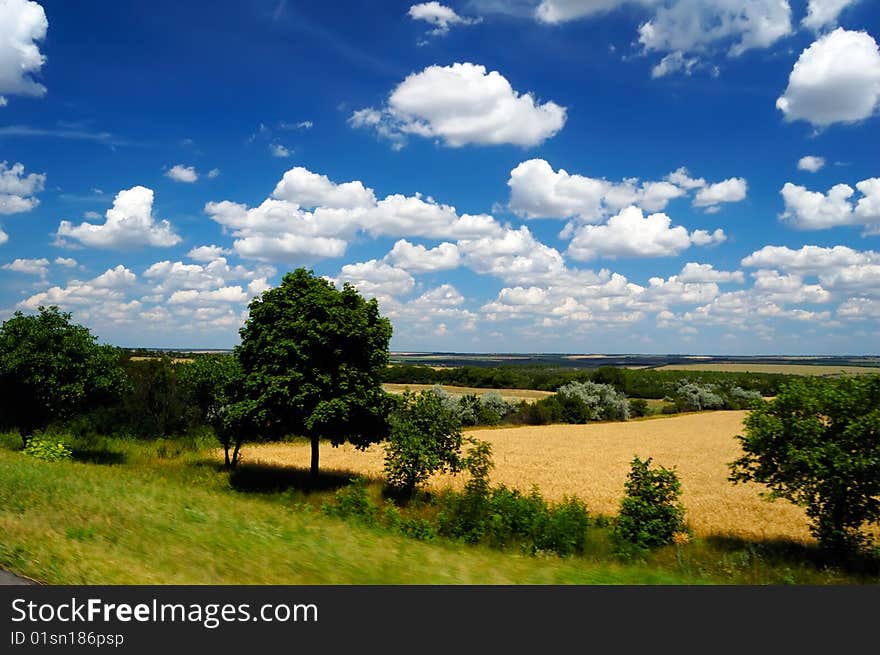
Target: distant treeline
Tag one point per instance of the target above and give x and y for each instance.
(635, 383)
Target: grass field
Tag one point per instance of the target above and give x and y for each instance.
(788, 369)
(506, 394)
(179, 522)
(592, 461)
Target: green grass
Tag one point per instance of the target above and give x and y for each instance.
(138, 518)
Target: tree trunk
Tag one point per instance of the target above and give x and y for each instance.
(236, 453)
(314, 468)
(226, 453)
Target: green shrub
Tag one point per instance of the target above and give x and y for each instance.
(425, 438)
(48, 447)
(650, 512)
(638, 407)
(353, 502)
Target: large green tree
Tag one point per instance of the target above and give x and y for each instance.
(52, 369)
(311, 357)
(817, 444)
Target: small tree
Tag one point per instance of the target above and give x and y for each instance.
(817, 444)
(312, 357)
(213, 385)
(650, 512)
(425, 439)
(52, 369)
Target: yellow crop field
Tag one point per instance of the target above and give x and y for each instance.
(790, 369)
(592, 461)
(506, 394)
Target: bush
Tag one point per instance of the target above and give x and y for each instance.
(425, 438)
(591, 401)
(650, 512)
(697, 397)
(353, 502)
(48, 447)
(501, 517)
(638, 407)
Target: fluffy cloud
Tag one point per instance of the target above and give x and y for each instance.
(3, 237)
(696, 25)
(376, 279)
(810, 163)
(101, 296)
(674, 62)
(836, 79)
(17, 190)
(731, 190)
(463, 104)
(840, 269)
(168, 276)
(280, 228)
(299, 185)
(694, 272)
(223, 295)
(180, 173)
(67, 262)
(418, 259)
(814, 210)
(632, 234)
(29, 266)
(680, 27)
(514, 256)
(22, 24)
(537, 191)
(824, 13)
(207, 253)
(440, 16)
(129, 224)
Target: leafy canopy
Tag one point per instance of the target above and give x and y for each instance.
(52, 369)
(817, 444)
(311, 357)
(425, 439)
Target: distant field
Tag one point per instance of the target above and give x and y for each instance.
(506, 394)
(790, 369)
(592, 461)
(174, 360)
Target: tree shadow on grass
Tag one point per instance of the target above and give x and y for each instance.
(270, 479)
(781, 551)
(98, 456)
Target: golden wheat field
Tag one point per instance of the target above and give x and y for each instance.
(592, 462)
(506, 394)
(789, 369)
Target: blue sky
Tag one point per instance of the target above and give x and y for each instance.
(650, 176)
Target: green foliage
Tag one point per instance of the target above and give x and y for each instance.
(650, 512)
(156, 404)
(817, 444)
(48, 447)
(592, 401)
(52, 369)
(425, 438)
(213, 386)
(311, 357)
(353, 502)
(500, 517)
(691, 397)
(638, 407)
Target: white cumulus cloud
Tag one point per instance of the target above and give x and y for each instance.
(824, 13)
(440, 16)
(632, 234)
(129, 224)
(29, 266)
(835, 80)
(180, 173)
(418, 259)
(22, 24)
(463, 104)
(811, 163)
(17, 190)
